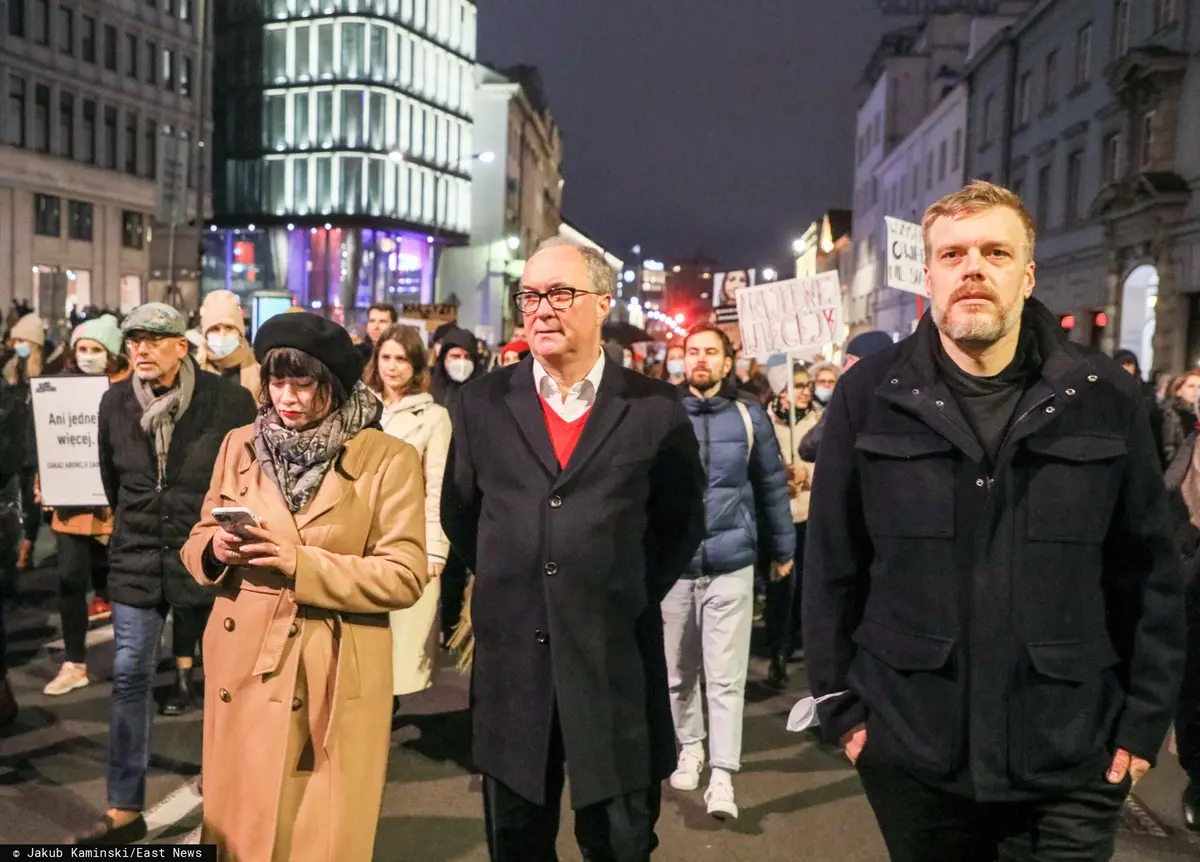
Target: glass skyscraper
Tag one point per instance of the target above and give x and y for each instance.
(342, 147)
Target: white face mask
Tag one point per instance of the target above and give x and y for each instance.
(221, 345)
(460, 370)
(91, 363)
(23, 350)
(823, 393)
(675, 367)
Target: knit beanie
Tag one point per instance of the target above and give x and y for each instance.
(221, 306)
(104, 330)
(29, 328)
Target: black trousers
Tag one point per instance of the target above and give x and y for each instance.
(616, 830)
(923, 824)
(1187, 713)
(187, 628)
(82, 562)
(10, 536)
(31, 512)
(454, 587)
(782, 614)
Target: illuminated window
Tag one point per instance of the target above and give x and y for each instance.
(350, 168)
(303, 52)
(354, 50)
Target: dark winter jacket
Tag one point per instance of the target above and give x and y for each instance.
(151, 524)
(441, 387)
(1000, 633)
(744, 486)
(15, 421)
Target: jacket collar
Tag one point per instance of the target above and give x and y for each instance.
(725, 398)
(337, 484)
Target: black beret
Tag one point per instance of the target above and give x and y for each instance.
(317, 336)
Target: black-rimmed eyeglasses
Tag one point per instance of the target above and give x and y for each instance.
(560, 298)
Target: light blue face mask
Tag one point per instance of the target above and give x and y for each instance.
(675, 367)
(804, 713)
(23, 349)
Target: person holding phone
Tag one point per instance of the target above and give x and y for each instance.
(298, 653)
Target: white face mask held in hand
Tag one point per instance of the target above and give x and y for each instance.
(804, 713)
(221, 345)
(91, 363)
(460, 370)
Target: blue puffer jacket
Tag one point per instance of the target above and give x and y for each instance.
(741, 490)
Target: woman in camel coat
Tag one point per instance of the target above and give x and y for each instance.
(298, 651)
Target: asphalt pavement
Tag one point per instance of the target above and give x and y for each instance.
(799, 800)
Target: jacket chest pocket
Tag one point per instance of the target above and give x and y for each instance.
(1073, 486)
(907, 485)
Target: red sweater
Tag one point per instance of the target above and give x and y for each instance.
(563, 434)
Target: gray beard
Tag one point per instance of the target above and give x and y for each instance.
(980, 330)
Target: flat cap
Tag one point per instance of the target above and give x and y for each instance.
(155, 318)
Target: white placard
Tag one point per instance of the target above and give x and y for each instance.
(905, 256)
(66, 416)
(786, 316)
(417, 324)
(486, 334)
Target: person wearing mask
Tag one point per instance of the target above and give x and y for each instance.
(676, 370)
(707, 614)
(825, 380)
(993, 608)
(456, 365)
(225, 349)
(744, 368)
(381, 317)
(574, 491)
(513, 352)
(298, 654)
(399, 374)
(14, 439)
(27, 340)
(159, 435)
(782, 611)
(1179, 413)
(81, 535)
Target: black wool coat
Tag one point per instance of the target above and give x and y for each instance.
(151, 524)
(999, 632)
(570, 567)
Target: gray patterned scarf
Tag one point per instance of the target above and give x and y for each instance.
(161, 412)
(297, 461)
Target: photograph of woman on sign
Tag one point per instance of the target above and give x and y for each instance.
(727, 284)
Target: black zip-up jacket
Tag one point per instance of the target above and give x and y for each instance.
(1000, 634)
(151, 523)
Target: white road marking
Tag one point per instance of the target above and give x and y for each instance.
(174, 807)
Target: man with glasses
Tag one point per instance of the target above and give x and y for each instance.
(159, 433)
(574, 491)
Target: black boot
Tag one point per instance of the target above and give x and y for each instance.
(777, 677)
(180, 700)
(1191, 806)
(8, 703)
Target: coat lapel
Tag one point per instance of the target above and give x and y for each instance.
(606, 413)
(526, 408)
(335, 488)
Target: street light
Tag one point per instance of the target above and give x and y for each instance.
(629, 276)
(487, 157)
(769, 274)
(514, 242)
(799, 247)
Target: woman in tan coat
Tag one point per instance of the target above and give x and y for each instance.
(298, 651)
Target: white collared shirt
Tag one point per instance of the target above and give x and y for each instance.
(579, 399)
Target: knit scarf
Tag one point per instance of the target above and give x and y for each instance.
(161, 412)
(297, 461)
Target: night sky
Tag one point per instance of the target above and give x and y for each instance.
(721, 126)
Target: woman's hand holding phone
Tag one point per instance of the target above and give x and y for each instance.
(227, 547)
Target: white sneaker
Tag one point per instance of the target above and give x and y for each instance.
(70, 677)
(691, 763)
(719, 796)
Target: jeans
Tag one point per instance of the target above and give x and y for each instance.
(136, 633)
(706, 626)
(81, 559)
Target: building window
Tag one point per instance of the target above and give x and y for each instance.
(87, 139)
(1121, 28)
(41, 118)
(1147, 139)
(16, 18)
(1113, 169)
(131, 55)
(956, 155)
(1166, 13)
(47, 215)
(79, 218)
(1043, 201)
(88, 39)
(152, 62)
(14, 132)
(1025, 99)
(131, 138)
(133, 231)
(1074, 186)
(989, 109)
(929, 170)
(66, 125)
(168, 68)
(1083, 55)
(185, 76)
(185, 10)
(151, 148)
(942, 160)
(41, 21)
(110, 47)
(66, 30)
(1050, 97)
(110, 138)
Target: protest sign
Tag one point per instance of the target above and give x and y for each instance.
(66, 415)
(786, 316)
(905, 256)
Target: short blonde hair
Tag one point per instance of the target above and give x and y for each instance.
(975, 197)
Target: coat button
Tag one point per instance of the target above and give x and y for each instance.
(916, 392)
(293, 630)
(242, 493)
(979, 482)
(1070, 391)
(1049, 409)
(1092, 378)
(541, 637)
(940, 403)
(556, 502)
(895, 381)
(230, 625)
(297, 703)
(225, 696)
(551, 569)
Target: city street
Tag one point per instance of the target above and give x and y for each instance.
(799, 801)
